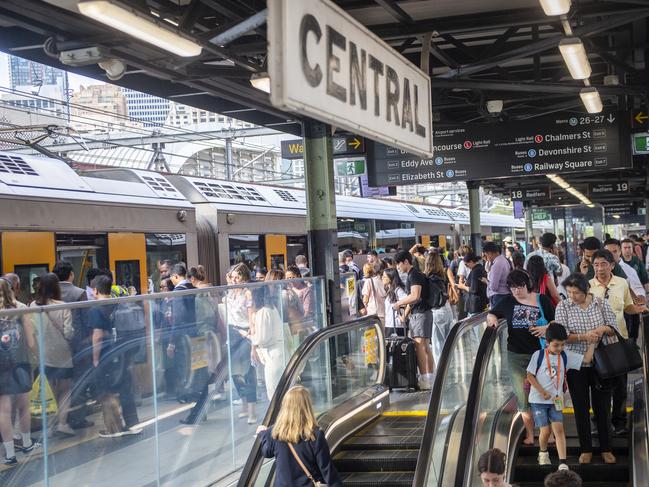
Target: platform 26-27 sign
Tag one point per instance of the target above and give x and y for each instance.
(326, 65)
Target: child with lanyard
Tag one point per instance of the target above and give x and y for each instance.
(546, 374)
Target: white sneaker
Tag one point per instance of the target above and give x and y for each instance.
(544, 458)
(252, 420)
(563, 466)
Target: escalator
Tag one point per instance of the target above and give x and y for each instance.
(372, 442)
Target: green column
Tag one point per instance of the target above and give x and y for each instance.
(474, 215)
(529, 227)
(321, 212)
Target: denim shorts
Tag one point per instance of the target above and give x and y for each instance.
(544, 414)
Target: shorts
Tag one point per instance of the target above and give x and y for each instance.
(17, 380)
(544, 414)
(517, 364)
(421, 325)
(57, 373)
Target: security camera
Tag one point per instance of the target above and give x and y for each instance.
(114, 68)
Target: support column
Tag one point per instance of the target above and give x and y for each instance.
(228, 158)
(646, 215)
(321, 212)
(529, 230)
(474, 215)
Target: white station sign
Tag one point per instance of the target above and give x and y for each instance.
(326, 65)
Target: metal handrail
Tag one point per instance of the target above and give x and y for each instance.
(294, 367)
(489, 339)
(423, 459)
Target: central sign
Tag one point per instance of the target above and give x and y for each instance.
(530, 194)
(325, 64)
(555, 144)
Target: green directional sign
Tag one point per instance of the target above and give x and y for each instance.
(540, 215)
(350, 167)
(641, 143)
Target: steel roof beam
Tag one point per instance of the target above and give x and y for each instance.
(531, 87)
(395, 11)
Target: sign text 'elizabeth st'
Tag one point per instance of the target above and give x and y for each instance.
(553, 144)
(326, 65)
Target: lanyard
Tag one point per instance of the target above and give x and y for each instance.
(547, 360)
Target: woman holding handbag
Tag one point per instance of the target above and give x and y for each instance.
(373, 292)
(588, 320)
(301, 452)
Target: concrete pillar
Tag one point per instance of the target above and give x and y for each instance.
(474, 215)
(322, 227)
(529, 231)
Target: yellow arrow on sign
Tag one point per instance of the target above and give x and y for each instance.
(641, 117)
(355, 143)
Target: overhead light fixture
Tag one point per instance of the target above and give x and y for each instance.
(139, 26)
(574, 54)
(495, 106)
(592, 101)
(555, 7)
(261, 81)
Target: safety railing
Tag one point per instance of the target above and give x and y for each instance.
(100, 387)
(337, 365)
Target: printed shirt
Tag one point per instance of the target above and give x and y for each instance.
(577, 320)
(619, 297)
(548, 379)
(498, 272)
(551, 262)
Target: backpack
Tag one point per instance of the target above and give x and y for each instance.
(564, 357)
(127, 318)
(437, 292)
(9, 340)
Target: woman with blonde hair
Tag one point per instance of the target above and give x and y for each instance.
(301, 452)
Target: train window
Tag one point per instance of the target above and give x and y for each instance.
(29, 276)
(277, 261)
(296, 245)
(163, 246)
(247, 249)
(127, 274)
(83, 251)
(354, 234)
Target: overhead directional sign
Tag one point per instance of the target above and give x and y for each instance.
(325, 64)
(530, 194)
(621, 209)
(555, 144)
(615, 187)
(342, 146)
(350, 167)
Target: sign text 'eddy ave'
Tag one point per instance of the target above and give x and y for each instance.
(326, 65)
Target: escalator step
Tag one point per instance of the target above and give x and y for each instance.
(378, 479)
(618, 446)
(376, 460)
(586, 484)
(382, 443)
(530, 471)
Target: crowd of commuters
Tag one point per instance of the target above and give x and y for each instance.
(89, 353)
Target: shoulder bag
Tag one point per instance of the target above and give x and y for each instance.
(304, 469)
(616, 359)
(542, 321)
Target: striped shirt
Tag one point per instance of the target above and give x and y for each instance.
(577, 320)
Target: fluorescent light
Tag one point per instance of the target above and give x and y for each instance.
(138, 26)
(591, 99)
(261, 81)
(555, 7)
(574, 55)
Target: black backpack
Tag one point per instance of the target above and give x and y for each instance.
(437, 293)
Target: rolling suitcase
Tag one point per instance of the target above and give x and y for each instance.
(401, 362)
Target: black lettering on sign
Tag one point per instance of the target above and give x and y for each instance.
(335, 38)
(406, 112)
(357, 76)
(392, 92)
(308, 24)
(377, 67)
(419, 129)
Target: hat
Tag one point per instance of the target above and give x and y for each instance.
(507, 240)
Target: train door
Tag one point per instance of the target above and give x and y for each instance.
(276, 252)
(83, 251)
(28, 254)
(127, 259)
(296, 245)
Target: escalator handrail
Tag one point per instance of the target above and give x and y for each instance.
(645, 361)
(295, 365)
(423, 459)
(489, 339)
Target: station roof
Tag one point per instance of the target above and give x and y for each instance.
(480, 50)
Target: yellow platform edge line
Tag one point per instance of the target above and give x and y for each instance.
(424, 413)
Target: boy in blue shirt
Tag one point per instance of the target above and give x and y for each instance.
(546, 373)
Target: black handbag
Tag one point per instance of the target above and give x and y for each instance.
(616, 359)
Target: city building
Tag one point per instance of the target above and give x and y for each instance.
(150, 110)
(183, 115)
(100, 109)
(23, 72)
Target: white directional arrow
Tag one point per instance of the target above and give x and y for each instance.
(611, 118)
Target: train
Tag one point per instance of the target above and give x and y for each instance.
(128, 220)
